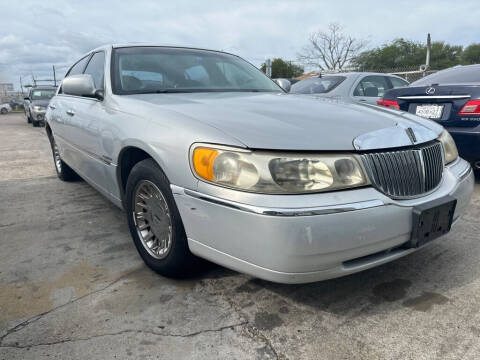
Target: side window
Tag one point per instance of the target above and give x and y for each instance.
(371, 86)
(95, 68)
(396, 82)
(78, 67)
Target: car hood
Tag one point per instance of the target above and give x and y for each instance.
(40, 102)
(278, 121)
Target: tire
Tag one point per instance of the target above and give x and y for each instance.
(64, 172)
(35, 123)
(3, 111)
(29, 119)
(177, 261)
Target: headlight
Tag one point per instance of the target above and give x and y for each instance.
(276, 173)
(39, 108)
(449, 148)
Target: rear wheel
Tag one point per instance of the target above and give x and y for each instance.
(154, 221)
(64, 172)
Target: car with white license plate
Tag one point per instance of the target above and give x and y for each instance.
(449, 97)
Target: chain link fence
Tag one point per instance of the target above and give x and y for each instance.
(410, 73)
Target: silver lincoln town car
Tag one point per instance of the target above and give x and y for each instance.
(210, 158)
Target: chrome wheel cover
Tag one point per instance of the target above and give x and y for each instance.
(56, 157)
(151, 216)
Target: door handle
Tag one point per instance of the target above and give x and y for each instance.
(70, 112)
(53, 107)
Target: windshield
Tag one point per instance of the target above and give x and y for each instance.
(316, 85)
(140, 70)
(43, 94)
(456, 75)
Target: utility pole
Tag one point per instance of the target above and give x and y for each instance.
(21, 85)
(429, 47)
(268, 66)
(54, 76)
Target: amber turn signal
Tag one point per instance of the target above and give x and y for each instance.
(203, 159)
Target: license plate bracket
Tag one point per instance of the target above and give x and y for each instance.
(432, 220)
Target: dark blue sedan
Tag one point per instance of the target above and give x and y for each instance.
(450, 97)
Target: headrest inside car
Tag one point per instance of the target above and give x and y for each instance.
(371, 91)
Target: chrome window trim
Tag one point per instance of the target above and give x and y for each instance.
(419, 97)
(268, 211)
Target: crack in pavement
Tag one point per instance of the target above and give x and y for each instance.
(37, 317)
(138, 331)
(255, 333)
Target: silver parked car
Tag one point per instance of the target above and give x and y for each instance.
(209, 157)
(5, 108)
(357, 86)
(36, 103)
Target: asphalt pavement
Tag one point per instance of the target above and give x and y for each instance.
(73, 286)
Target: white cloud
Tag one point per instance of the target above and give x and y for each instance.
(34, 35)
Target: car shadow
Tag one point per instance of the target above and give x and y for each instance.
(418, 281)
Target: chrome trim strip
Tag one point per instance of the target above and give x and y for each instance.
(465, 173)
(308, 211)
(419, 97)
(88, 153)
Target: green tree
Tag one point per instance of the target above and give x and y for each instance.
(283, 69)
(471, 54)
(401, 53)
(443, 55)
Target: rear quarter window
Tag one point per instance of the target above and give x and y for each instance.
(456, 75)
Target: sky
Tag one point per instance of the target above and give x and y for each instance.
(34, 35)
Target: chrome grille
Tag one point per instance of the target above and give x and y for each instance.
(406, 173)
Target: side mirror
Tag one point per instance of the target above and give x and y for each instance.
(284, 84)
(79, 85)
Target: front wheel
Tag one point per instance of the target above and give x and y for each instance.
(3, 111)
(154, 221)
(64, 172)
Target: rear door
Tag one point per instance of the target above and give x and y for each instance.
(370, 88)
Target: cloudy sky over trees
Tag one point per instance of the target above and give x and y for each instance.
(34, 35)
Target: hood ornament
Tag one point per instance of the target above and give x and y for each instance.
(411, 135)
(430, 91)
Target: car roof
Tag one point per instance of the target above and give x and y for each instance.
(44, 87)
(128, 45)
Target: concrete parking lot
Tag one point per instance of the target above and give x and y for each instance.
(73, 286)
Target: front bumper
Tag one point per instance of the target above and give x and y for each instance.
(38, 115)
(279, 238)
